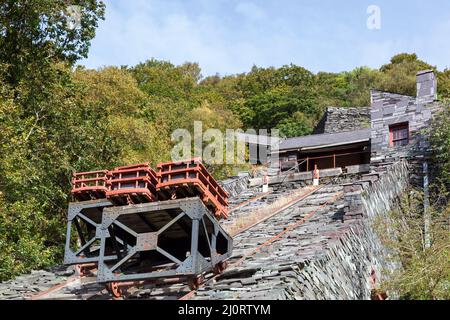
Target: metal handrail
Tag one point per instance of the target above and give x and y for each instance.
(333, 156)
(294, 167)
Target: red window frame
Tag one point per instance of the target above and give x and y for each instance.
(399, 134)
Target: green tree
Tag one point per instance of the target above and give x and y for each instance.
(444, 85)
(34, 34)
(440, 140)
(37, 102)
(399, 76)
(277, 104)
(165, 80)
(113, 119)
(295, 126)
(423, 273)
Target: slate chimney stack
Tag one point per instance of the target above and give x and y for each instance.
(426, 86)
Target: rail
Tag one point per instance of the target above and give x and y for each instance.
(333, 157)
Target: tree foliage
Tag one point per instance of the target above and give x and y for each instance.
(399, 76)
(36, 33)
(440, 139)
(423, 273)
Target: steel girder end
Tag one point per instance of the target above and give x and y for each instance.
(194, 264)
(69, 258)
(194, 209)
(73, 210)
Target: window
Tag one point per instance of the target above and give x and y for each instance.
(399, 134)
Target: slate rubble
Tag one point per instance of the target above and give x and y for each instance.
(24, 286)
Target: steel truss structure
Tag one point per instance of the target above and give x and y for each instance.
(168, 239)
(137, 226)
(83, 231)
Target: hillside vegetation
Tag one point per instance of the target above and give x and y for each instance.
(56, 118)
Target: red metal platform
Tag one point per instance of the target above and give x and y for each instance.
(190, 178)
(90, 185)
(132, 184)
(139, 183)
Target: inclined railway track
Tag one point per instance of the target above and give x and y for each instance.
(181, 292)
(275, 237)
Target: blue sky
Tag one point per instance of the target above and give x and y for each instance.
(229, 36)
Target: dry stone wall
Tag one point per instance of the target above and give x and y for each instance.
(343, 119)
(376, 193)
(344, 270)
(236, 185)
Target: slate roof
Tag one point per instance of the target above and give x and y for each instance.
(326, 139)
(256, 139)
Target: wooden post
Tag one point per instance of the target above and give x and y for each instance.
(307, 164)
(334, 160)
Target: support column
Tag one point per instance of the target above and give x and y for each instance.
(426, 207)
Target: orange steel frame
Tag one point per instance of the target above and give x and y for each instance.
(195, 174)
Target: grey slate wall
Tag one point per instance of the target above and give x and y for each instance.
(360, 250)
(426, 86)
(343, 119)
(390, 109)
(343, 273)
(376, 193)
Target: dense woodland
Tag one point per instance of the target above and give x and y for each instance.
(57, 118)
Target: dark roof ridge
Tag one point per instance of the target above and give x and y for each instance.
(325, 139)
(389, 92)
(330, 133)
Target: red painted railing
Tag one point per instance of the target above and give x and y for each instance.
(132, 184)
(188, 179)
(90, 185)
(139, 183)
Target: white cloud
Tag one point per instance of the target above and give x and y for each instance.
(432, 46)
(177, 36)
(229, 37)
(376, 53)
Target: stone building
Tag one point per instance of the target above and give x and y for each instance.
(390, 130)
(399, 123)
